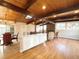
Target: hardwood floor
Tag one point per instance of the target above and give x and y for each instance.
(55, 49)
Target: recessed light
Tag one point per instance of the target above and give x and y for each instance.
(28, 17)
(44, 7)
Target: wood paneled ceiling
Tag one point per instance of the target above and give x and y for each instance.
(51, 6)
(17, 9)
(19, 3)
(8, 14)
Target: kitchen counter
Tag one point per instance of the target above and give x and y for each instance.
(30, 41)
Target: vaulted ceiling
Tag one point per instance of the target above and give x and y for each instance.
(16, 10)
(8, 14)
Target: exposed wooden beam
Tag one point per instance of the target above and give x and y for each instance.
(29, 3)
(67, 20)
(13, 7)
(56, 20)
(29, 21)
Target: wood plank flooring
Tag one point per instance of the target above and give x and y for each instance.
(55, 49)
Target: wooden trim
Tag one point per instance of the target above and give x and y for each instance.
(29, 4)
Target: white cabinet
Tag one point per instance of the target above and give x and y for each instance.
(30, 41)
(26, 43)
(36, 39)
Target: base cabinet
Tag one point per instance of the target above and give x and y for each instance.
(31, 41)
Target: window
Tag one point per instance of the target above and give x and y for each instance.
(60, 26)
(41, 28)
(2, 29)
(5, 28)
(73, 25)
(67, 26)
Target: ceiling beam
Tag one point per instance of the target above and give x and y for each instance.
(13, 7)
(67, 20)
(29, 3)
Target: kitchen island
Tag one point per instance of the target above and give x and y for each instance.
(31, 40)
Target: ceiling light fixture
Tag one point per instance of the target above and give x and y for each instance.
(28, 17)
(44, 7)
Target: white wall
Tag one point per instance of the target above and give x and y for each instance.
(30, 28)
(20, 28)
